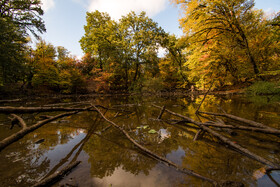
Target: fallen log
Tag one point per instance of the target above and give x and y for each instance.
(63, 104)
(25, 130)
(155, 156)
(57, 176)
(9, 101)
(9, 110)
(252, 129)
(225, 140)
(243, 120)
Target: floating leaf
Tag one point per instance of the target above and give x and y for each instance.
(146, 126)
(152, 131)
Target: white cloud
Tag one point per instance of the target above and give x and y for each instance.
(47, 4)
(118, 8)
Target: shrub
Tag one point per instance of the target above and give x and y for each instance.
(263, 88)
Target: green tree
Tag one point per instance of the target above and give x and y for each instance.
(123, 49)
(17, 17)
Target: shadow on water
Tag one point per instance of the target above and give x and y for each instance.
(109, 159)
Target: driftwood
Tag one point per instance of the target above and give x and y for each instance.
(155, 156)
(57, 176)
(25, 130)
(225, 140)
(9, 110)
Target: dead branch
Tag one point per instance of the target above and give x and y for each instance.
(20, 120)
(155, 156)
(57, 176)
(197, 110)
(236, 118)
(20, 134)
(225, 140)
(8, 110)
(161, 112)
(197, 134)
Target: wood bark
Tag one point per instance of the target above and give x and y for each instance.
(24, 131)
(155, 156)
(225, 140)
(57, 176)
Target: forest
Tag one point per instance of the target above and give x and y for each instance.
(228, 42)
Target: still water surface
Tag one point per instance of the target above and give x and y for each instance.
(109, 159)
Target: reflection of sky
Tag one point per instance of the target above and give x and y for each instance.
(61, 150)
(176, 156)
(267, 181)
(160, 175)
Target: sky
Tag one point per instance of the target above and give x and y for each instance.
(65, 19)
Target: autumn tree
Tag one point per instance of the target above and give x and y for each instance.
(223, 35)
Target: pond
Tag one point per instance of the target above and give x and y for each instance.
(110, 159)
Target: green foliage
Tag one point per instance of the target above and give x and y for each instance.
(123, 49)
(263, 88)
(152, 85)
(16, 19)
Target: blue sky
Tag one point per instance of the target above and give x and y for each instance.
(65, 19)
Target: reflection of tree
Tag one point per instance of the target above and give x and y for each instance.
(108, 154)
(20, 164)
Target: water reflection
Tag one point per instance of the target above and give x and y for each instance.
(108, 158)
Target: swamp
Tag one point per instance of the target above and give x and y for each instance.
(109, 158)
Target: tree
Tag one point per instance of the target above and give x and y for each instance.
(123, 49)
(223, 35)
(26, 14)
(17, 17)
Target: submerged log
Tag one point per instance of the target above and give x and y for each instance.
(57, 176)
(225, 140)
